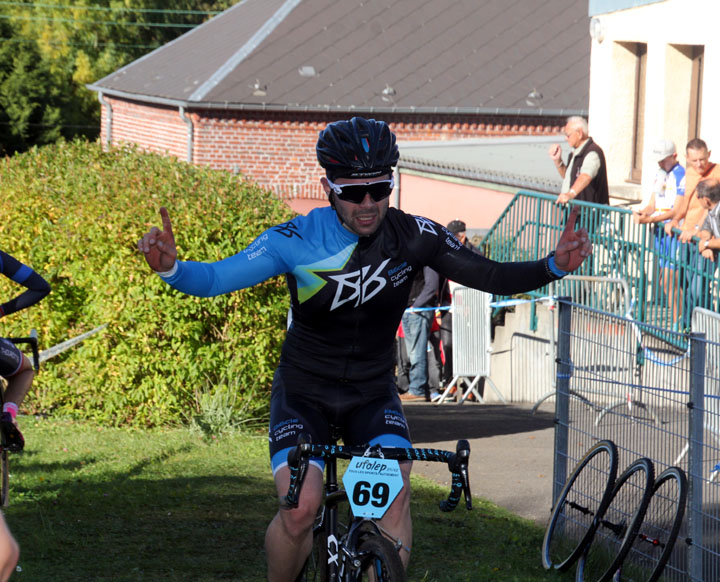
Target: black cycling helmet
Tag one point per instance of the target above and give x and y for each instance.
(358, 148)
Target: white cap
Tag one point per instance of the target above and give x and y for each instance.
(662, 149)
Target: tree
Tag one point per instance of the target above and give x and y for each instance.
(49, 51)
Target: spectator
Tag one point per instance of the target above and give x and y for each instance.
(585, 175)
(690, 214)
(668, 189)
(416, 328)
(689, 217)
(708, 194)
(458, 228)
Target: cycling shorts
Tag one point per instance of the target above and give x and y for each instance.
(365, 412)
(10, 358)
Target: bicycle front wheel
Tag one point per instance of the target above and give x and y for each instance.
(655, 540)
(585, 494)
(618, 524)
(379, 561)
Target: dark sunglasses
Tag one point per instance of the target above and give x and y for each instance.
(355, 193)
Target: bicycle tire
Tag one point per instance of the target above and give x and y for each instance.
(618, 523)
(653, 546)
(379, 561)
(4, 479)
(585, 494)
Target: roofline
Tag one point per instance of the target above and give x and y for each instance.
(226, 106)
(241, 54)
(176, 39)
(476, 174)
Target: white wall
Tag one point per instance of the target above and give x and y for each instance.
(665, 27)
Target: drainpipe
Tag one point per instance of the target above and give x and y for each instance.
(109, 124)
(190, 135)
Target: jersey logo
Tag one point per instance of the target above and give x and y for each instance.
(358, 286)
(288, 229)
(425, 225)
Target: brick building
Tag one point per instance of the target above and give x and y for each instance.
(249, 90)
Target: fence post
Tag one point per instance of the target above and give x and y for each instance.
(696, 407)
(562, 396)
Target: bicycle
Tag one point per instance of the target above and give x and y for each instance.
(636, 516)
(360, 549)
(4, 461)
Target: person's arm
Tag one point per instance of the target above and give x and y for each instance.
(245, 269)
(589, 169)
(428, 294)
(555, 153)
(9, 551)
(37, 287)
(467, 268)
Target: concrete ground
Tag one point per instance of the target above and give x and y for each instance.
(510, 451)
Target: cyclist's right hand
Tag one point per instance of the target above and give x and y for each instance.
(158, 246)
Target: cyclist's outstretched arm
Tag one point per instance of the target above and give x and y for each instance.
(37, 287)
(263, 259)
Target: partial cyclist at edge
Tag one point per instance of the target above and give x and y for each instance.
(15, 366)
(349, 268)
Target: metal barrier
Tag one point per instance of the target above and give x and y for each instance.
(632, 383)
(471, 343)
(665, 283)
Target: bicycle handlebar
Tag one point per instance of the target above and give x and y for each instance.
(299, 457)
(32, 339)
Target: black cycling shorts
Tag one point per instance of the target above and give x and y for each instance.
(366, 412)
(10, 358)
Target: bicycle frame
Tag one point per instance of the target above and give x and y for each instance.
(341, 549)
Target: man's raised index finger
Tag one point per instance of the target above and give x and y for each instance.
(572, 218)
(167, 225)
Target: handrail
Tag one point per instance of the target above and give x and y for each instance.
(666, 281)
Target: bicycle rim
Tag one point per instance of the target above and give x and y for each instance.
(618, 524)
(653, 546)
(379, 561)
(584, 495)
(4, 479)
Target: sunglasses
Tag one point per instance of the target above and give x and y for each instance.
(356, 193)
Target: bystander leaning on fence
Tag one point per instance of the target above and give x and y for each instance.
(708, 193)
(666, 196)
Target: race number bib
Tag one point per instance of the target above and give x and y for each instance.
(372, 485)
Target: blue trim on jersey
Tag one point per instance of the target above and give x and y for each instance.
(21, 275)
(554, 268)
(678, 173)
(279, 459)
(391, 440)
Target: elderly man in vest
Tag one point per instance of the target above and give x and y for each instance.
(585, 175)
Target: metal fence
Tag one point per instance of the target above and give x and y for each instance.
(665, 282)
(655, 393)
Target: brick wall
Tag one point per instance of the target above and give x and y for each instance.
(277, 149)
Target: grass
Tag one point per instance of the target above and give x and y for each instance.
(102, 504)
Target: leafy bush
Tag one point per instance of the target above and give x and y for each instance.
(74, 213)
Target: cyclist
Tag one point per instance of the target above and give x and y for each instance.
(349, 268)
(15, 367)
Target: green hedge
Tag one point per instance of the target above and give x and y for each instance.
(74, 213)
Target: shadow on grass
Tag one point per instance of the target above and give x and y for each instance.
(128, 527)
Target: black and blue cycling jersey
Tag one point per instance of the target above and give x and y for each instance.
(37, 288)
(348, 293)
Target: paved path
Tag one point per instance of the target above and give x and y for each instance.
(510, 451)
